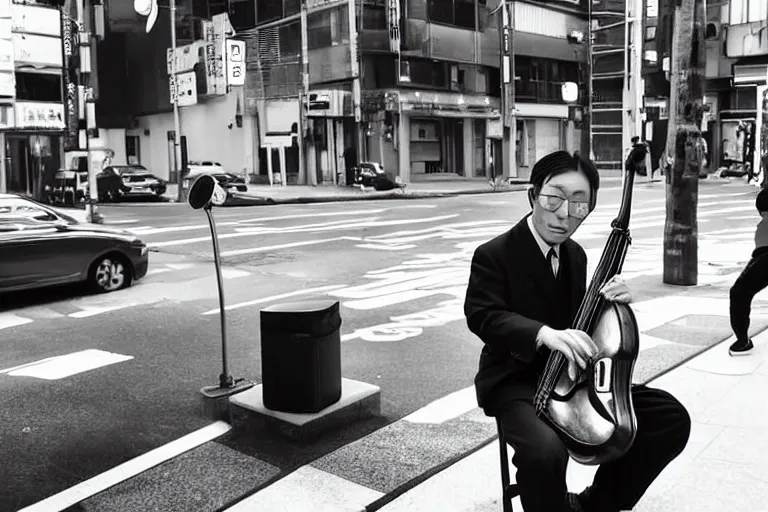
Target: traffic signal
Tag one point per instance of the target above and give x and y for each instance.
(146, 8)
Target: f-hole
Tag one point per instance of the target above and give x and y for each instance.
(603, 375)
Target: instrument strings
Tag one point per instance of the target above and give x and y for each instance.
(610, 264)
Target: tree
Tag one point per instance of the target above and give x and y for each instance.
(684, 149)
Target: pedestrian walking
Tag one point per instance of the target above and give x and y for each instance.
(752, 280)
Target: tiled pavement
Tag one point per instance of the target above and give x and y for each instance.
(722, 469)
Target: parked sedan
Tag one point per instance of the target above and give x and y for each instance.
(41, 246)
(228, 181)
(120, 181)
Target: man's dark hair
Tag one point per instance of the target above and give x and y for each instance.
(560, 162)
(761, 201)
(635, 139)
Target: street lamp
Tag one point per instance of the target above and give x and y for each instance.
(149, 9)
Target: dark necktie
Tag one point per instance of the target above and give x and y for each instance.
(553, 260)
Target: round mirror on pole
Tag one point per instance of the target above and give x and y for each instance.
(569, 92)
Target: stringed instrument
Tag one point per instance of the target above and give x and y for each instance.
(594, 415)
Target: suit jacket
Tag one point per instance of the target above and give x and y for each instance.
(511, 294)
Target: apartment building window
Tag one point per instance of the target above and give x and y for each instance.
(747, 11)
(539, 80)
(459, 13)
(38, 87)
(329, 27)
(374, 17)
(268, 10)
(242, 14)
(426, 72)
(292, 7)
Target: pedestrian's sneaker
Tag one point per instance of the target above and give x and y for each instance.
(741, 348)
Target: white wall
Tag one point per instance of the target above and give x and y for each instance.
(114, 139)
(206, 126)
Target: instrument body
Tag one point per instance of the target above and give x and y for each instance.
(594, 415)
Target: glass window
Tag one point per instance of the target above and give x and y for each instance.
(242, 14)
(650, 33)
(268, 10)
(329, 27)
(440, 11)
(464, 13)
(38, 87)
(14, 210)
(374, 18)
(292, 7)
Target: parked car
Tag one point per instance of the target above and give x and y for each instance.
(41, 246)
(121, 181)
(227, 181)
(196, 167)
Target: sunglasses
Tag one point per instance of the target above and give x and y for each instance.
(576, 209)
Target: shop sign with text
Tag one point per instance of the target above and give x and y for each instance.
(69, 82)
(39, 115)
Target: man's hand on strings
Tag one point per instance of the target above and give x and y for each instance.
(577, 347)
(616, 290)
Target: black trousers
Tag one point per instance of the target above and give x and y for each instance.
(663, 427)
(750, 282)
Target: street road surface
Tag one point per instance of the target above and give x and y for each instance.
(136, 359)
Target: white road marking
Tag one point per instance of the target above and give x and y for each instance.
(129, 469)
(268, 248)
(127, 221)
(295, 293)
(371, 223)
(352, 213)
(233, 273)
(60, 367)
(154, 271)
(180, 266)
(98, 310)
(309, 488)
(8, 320)
(381, 247)
(445, 408)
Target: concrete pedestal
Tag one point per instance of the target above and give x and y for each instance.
(359, 401)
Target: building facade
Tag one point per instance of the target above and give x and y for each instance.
(432, 103)
(134, 110)
(736, 74)
(32, 117)
(412, 84)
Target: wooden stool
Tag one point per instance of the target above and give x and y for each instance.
(509, 491)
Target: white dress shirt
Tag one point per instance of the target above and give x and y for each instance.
(545, 247)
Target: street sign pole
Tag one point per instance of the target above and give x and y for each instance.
(175, 100)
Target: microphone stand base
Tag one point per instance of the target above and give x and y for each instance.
(226, 388)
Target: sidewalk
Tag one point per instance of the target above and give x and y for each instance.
(722, 469)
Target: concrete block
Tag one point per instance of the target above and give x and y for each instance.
(359, 401)
(215, 409)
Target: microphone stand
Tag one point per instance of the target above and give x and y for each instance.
(227, 385)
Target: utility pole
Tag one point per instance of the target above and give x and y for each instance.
(686, 107)
(84, 35)
(176, 120)
(507, 67)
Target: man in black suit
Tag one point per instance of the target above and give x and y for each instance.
(524, 290)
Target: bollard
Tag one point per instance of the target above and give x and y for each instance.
(301, 355)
